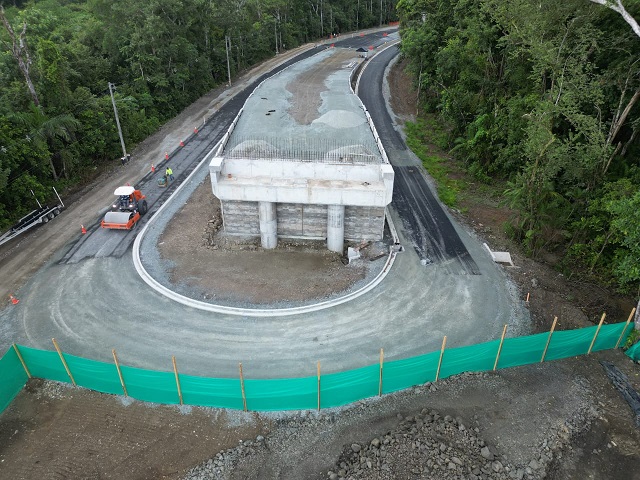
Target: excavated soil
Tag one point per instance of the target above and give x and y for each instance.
(229, 269)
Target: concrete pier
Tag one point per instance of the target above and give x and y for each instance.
(335, 228)
(268, 224)
(312, 173)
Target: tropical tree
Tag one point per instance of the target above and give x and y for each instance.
(20, 51)
(52, 135)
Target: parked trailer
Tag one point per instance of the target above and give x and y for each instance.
(41, 215)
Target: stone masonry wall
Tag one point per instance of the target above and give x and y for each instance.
(241, 218)
(363, 223)
(303, 220)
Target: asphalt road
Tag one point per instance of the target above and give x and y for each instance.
(100, 303)
(425, 223)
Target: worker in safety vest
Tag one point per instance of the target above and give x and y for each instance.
(169, 174)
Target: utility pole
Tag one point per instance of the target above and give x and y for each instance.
(380, 12)
(227, 44)
(275, 32)
(115, 110)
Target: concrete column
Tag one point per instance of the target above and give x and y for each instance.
(268, 224)
(335, 228)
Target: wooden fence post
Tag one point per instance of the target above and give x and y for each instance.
(633, 311)
(597, 331)
(444, 344)
(24, 365)
(504, 331)
(175, 372)
(546, 347)
(115, 359)
(381, 366)
(318, 386)
(244, 397)
(64, 362)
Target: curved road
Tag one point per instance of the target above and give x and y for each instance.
(99, 303)
(426, 224)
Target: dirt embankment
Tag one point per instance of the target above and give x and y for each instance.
(207, 264)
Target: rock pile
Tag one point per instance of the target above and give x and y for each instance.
(212, 228)
(426, 445)
(224, 462)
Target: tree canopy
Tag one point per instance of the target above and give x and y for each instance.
(545, 96)
(58, 56)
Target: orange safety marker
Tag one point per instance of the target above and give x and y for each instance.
(181, 143)
(82, 229)
(14, 300)
(166, 155)
(153, 169)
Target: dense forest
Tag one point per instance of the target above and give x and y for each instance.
(544, 96)
(57, 58)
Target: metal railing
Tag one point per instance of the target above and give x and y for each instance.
(302, 150)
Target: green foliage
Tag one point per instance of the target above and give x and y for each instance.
(608, 235)
(534, 93)
(161, 55)
(632, 339)
(417, 141)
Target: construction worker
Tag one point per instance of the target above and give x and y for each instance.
(169, 174)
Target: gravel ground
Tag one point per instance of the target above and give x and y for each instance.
(528, 422)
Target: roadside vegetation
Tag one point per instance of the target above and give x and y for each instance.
(57, 57)
(545, 97)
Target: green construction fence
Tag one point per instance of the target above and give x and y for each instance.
(320, 391)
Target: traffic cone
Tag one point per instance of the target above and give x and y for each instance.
(181, 143)
(14, 300)
(166, 155)
(82, 229)
(195, 130)
(153, 169)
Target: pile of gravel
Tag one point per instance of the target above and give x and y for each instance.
(427, 445)
(222, 464)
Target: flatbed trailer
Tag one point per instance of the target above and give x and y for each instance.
(38, 216)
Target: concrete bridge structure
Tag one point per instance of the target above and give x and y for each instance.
(303, 159)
